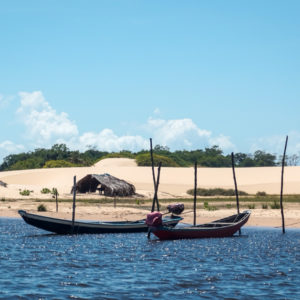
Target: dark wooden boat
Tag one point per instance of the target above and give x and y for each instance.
(220, 228)
(62, 226)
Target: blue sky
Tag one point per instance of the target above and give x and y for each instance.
(111, 74)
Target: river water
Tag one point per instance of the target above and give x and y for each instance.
(261, 264)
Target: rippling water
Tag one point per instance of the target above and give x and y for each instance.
(260, 264)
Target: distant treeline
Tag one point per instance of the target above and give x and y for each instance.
(60, 156)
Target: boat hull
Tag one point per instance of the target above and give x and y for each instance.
(218, 229)
(62, 226)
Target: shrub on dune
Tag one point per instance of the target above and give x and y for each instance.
(58, 164)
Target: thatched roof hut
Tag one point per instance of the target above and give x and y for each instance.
(106, 184)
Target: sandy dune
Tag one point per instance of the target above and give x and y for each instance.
(174, 182)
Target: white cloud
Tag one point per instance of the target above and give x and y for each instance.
(31, 101)
(275, 143)
(107, 140)
(266, 143)
(45, 127)
(222, 141)
(177, 134)
(8, 147)
(43, 124)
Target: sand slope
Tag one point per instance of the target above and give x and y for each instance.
(174, 182)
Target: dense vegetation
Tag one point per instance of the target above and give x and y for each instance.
(214, 157)
(60, 156)
(144, 159)
(216, 192)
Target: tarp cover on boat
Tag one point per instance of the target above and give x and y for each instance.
(106, 184)
(154, 219)
(176, 209)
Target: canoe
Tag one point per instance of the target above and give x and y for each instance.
(62, 226)
(225, 227)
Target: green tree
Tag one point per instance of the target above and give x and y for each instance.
(262, 158)
(58, 164)
(30, 163)
(145, 160)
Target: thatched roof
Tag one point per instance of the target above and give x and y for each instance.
(109, 185)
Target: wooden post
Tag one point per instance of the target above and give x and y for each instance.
(155, 198)
(235, 187)
(195, 193)
(157, 184)
(153, 175)
(74, 203)
(281, 190)
(56, 200)
(235, 184)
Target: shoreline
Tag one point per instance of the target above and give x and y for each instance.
(107, 212)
